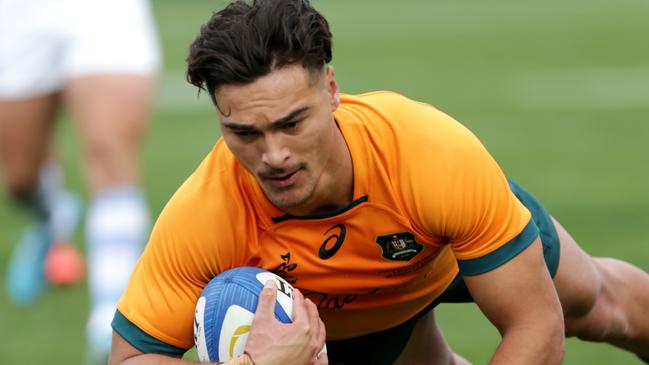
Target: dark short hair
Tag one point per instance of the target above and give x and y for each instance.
(244, 42)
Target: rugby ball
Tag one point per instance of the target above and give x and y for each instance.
(225, 309)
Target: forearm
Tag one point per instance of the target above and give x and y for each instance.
(530, 346)
(146, 359)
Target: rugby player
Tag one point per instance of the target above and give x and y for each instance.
(375, 206)
(97, 59)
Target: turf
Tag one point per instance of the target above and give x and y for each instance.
(558, 91)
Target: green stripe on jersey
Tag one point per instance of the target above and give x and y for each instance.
(141, 340)
(502, 255)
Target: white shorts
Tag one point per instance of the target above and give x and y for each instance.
(44, 43)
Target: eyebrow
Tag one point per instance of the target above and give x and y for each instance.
(287, 118)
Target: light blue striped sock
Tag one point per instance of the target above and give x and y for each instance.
(117, 228)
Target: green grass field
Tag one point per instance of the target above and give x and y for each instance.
(557, 90)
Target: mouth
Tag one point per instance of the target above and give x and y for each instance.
(283, 181)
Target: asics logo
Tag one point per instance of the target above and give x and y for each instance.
(326, 252)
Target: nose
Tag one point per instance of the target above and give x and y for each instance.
(276, 153)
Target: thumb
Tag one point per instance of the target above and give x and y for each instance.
(267, 299)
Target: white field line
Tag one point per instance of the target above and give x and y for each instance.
(176, 94)
(605, 88)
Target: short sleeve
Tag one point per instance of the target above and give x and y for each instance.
(481, 212)
(185, 251)
(160, 299)
(457, 191)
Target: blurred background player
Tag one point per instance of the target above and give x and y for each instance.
(98, 59)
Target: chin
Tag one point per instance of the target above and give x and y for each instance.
(293, 197)
(284, 202)
(288, 199)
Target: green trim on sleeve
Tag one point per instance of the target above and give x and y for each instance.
(503, 254)
(141, 340)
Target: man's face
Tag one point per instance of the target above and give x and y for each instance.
(281, 129)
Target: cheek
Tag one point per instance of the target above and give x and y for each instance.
(244, 153)
(317, 146)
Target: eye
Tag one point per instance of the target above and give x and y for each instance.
(246, 134)
(291, 125)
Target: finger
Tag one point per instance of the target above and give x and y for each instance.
(299, 309)
(322, 333)
(322, 359)
(266, 303)
(316, 324)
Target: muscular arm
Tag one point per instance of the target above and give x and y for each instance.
(124, 353)
(270, 342)
(519, 298)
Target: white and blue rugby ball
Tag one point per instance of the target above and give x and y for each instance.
(226, 307)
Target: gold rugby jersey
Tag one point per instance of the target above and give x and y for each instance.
(428, 200)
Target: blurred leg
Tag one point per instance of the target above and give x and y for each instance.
(604, 300)
(112, 114)
(25, 129)
(427, 346)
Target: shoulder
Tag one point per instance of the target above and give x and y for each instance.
(204, 212)
(403, 120)
(415, 137)
(432, 159)
(204, 194)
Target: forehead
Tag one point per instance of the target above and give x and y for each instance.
(268, 97)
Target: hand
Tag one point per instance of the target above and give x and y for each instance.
(274, 343)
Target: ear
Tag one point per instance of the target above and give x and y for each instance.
(332, 87)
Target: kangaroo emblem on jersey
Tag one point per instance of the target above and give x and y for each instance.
(399, 246)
